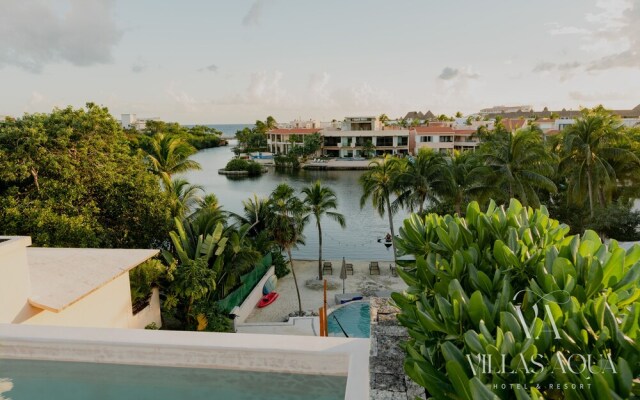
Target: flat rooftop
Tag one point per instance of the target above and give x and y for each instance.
(62, 276)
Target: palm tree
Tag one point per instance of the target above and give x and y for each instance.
(520, 164)
(383, 119)
(319, 200)
(465, 172)
(170, 155)
(288, 217)
(183, 196)
(588, 154)
(421, 178)
(379, 183)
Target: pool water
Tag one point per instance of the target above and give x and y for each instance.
(54, 380)
(354, 319)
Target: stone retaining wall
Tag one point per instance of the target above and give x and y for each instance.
(387, 379)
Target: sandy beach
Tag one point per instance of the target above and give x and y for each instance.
(360, 282)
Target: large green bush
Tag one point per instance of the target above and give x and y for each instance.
(237, 164)
(504, 305)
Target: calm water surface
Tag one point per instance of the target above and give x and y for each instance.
(54, 380)
(357, 242)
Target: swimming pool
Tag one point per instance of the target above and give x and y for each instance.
(31, 379)
(353, 318)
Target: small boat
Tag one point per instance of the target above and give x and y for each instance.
(267, 299)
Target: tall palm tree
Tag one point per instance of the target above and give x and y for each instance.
(520, 164)
(588, 155)
(183, 196)
(379, 183)
(466, 184)
(320, 200)
(421, 178)
(170, 155)
(288, 218)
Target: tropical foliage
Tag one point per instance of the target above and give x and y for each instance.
(503, 304)
(70, 179)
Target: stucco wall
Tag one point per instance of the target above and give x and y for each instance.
(14, 278)
(107, 307)
(150, 314)
(250, 302)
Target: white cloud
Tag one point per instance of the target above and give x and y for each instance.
(35, 33)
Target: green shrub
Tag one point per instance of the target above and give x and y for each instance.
(617, 221)
(144, 277)
(280, 263)
(289, 161)
(237, 164)
(254, 169)
(504, 305)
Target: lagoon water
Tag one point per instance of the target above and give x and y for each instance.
(364, 226)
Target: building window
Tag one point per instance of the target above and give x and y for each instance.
(403, 140)
(426, 139)
(446, 139)
(384, 141)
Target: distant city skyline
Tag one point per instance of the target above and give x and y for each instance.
(235, 62)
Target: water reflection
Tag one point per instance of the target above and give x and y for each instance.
(359, 241)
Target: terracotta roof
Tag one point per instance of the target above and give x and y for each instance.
(552, 132)
(296, 131)
(433, 129)
(464, 131)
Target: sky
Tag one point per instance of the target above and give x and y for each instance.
(214, 61)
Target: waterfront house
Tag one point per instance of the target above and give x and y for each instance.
(71, 287)
(280, 141)
(361, 134)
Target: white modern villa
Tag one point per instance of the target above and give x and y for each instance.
(360, 134)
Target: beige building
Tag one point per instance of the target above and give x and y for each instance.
(444, 138)
(280, 141)
(359, 133)
(70, 287)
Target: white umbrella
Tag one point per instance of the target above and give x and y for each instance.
(343, 273)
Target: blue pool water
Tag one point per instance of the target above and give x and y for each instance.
(354, 319)
(55, 380)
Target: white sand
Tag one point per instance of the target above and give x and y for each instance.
(359, 282)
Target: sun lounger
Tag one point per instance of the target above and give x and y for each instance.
(374, 268)
(349, 268)
(327, 267)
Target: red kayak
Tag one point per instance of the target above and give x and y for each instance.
(267, 299)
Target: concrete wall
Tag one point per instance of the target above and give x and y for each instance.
(14, 278)
(149, 314)
(107, 307)
(243, 311)
(268, 353)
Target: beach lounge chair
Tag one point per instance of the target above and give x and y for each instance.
(374, 267)
(327, 267)
(349, 268)
(393, 270)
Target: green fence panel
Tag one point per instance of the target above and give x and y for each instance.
(249, 281)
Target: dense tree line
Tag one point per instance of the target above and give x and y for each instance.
(70, 178)
(587, 175)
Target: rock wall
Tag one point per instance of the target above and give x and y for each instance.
(387, 378)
